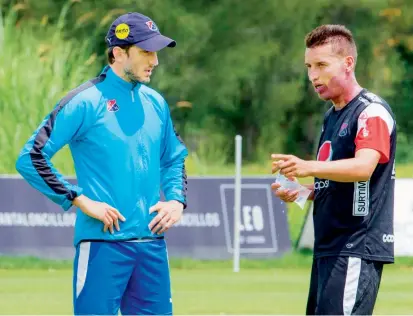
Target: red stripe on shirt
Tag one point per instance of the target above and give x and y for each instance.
(374, 134)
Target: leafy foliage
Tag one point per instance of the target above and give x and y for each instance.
(239, 67)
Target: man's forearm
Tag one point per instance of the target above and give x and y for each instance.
(174, 183)
(79, 201)
(345, 170)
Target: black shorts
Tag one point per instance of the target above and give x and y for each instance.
(343, 286)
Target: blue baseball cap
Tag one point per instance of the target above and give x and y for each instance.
(138, 29)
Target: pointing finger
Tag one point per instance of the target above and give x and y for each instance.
(280, 157)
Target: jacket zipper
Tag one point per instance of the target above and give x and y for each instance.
(133, 97)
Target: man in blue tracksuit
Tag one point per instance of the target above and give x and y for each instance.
(125, 150)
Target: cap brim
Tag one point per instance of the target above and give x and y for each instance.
(156, 43)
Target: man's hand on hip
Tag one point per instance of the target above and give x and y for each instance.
(101, 211)
(169, 213)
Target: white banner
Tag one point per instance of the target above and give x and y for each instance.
(403, 217)
(31, 224)
(403, 221)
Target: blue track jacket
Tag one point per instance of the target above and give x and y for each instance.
(125, 150)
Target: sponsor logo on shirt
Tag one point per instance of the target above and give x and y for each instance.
(321, 184)
(361, 199)
(325, 153)
(388, 238)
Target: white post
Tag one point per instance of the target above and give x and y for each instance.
(237, 201)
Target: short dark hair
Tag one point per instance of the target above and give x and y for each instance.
(111, 58)
(339, 36)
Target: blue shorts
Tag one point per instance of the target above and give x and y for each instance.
(129, 276)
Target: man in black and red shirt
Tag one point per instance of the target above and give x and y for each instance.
(354, 173)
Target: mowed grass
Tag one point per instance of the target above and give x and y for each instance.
(202, 291)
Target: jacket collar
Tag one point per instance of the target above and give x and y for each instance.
(117, 81)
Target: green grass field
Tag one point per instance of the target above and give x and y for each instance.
(275, 286)
(278, 286)
(202, 291)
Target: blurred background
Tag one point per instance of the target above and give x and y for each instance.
(238, 68)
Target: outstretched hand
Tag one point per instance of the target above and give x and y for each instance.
(284, 194)
(291, 166)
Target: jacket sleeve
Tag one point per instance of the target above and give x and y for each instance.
(62, 126)
(173, 154)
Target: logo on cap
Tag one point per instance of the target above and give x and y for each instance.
(152, 26)
(122, 31)
(112, 106)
